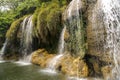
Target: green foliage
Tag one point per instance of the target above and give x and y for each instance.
(11, 10)
(46, 18)
(44, 1)
(9, 4)
(47, 23)
(43, 19)
(5, 21)
(27, 7)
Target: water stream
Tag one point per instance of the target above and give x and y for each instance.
(3, 50)
(26, 41)
(51, 65)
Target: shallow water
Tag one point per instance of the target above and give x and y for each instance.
(12, 71)
(15, 71)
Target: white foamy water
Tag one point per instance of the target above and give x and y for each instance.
(48, 71)
(3, 50)
(2, 61)
(76, 78)
(54, 61)
(24, 61)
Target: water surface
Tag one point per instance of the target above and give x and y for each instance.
(12, 71)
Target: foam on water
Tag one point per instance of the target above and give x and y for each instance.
(48, 71)
(21, 63)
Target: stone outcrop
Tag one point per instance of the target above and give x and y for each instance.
(74, 66)
(67, 64)
(41, 57)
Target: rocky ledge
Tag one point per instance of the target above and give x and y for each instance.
(67, 64)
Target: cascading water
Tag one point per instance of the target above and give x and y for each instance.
(53, 62)
(26, 39)
(3, 49)
(106, 19)
(61, 42)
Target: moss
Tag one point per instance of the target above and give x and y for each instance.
(34, 20)
(48, 24)
(11, 33)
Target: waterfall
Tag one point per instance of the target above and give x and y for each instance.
(61, 42)
(3, 49)
(51, 65)
(54, 61)
(74, 24)
(106, 21)
(26, 39)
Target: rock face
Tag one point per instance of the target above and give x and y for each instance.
(97, 33)
(41, 57)
(103, 35)
(73, 66)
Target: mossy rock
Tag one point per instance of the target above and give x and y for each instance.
(14, 29)
(47, 22)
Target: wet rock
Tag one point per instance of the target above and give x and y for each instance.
(73, 66)
(66, 35)
(96, 33)
(41, 57)
(106, 71)
(67, 64)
